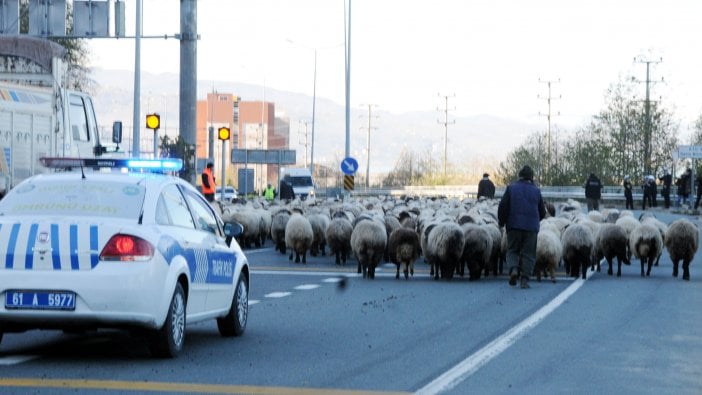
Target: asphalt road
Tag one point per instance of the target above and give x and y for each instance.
(306, 334)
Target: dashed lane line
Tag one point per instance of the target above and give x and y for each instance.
(16, 359)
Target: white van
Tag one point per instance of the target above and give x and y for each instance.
(300, 178)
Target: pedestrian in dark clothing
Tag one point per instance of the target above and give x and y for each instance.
(699, 190)
(486, 188)
(647, 191)
(628, 195)
(593, 192)
(666, 181)
(684, 184)
(520, 210)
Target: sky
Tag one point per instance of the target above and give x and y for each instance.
(490, 57)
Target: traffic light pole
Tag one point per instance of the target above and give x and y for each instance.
(224, 162)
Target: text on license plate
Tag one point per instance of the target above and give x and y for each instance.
(41, 300)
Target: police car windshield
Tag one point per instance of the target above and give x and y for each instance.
(81, 198)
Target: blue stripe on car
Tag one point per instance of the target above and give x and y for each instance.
(205, 266)
(94, 258)
(73, 239)
(55, 247)
(10, 254)
(29, 252)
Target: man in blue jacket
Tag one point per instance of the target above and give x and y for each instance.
(520, 211)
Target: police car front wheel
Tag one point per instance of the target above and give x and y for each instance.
(168, 341)
(234, 323)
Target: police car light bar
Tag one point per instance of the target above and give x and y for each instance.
(166, 164)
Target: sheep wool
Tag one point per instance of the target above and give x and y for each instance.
(298, 237)
(403, 249)
(578, 242)
(611, 241)
(368, 241)
(682, 242)
(645, 243)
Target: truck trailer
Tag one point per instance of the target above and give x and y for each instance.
(39, 116)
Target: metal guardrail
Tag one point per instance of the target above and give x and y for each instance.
(557, 193)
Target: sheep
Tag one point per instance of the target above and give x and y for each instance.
(368, 242)
(662, 227)
(338, 237)
(577, 243)
(477, 247)
(645, 243)
(391, 223)
(682, 241)
(445, 246)
(320, 223)
(403, 248)
(496, 235)
(251, 223)
(549, 250)
(278, 224)
(611, 241)
(266, 219)
(298, 237)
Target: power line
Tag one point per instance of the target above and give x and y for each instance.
(368, 151)
(446, 122)
(548, 115)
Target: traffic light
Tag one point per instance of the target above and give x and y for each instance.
(223, 133)
(153, 121)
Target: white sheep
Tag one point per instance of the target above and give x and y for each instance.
(320, 222)
(278, 223)
(338, 237)
(368, 242)
(445, 247)
(646, 244)
(577, 243)
(477, 248)
(298, 237)
(682, 241)
(549, 250)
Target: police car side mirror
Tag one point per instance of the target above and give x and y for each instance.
(233, 229)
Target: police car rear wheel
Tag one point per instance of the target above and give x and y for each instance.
(234, 323)
(168, 341)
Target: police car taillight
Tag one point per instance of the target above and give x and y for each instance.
(123, 247)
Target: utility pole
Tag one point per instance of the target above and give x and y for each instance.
(304, 136)
(446, 122)
(647, 113)
(548, 117)
(368, 150)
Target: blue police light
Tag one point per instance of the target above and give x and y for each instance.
(152, 165)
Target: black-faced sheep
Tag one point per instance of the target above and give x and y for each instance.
(445, 246)
(477, 248)
(645, 243)
(548, 252)
(298, 237)
(278, 223)
(403, 248)
(611, 241)
(577, 243)
(368, 242)
(682, 241)
(338, 238)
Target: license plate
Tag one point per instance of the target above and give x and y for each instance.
(40, 300)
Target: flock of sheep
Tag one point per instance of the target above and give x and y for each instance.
(452, 235)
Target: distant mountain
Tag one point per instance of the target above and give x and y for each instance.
(482, 139)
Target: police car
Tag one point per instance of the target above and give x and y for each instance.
(91, 249)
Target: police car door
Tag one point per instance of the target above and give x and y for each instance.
(178, 226)
(218, 262)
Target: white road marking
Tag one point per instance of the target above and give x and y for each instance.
(470, 365)
(307, 287)
(277, 294)
(15, 359)
(253, 302)
(332, 280)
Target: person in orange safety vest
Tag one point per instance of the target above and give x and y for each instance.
(208, 183)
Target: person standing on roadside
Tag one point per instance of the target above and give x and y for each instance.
(666, 181)
(698, 182)
(208, 183)
(628, 193)
(486, 188)
(520, 211)
(593, 192)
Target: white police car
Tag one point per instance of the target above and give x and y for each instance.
(85, 250)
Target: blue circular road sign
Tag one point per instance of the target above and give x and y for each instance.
(349, 166)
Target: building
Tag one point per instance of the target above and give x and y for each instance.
(253, 125)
